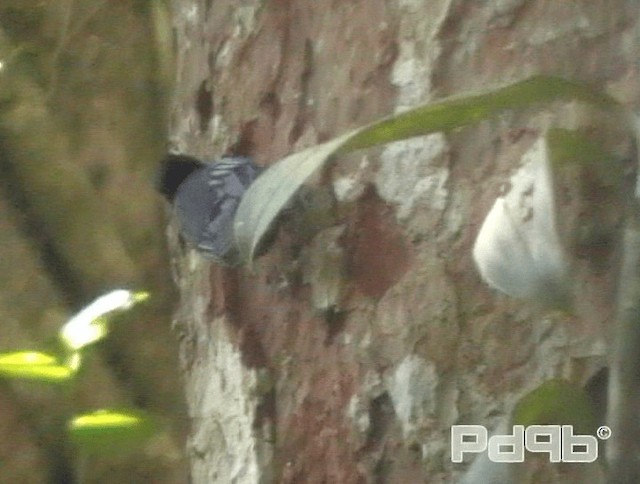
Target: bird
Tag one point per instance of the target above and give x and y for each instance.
(205, 197)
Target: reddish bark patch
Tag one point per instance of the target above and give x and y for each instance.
(274, 327)
(226, 298)
(317, 447)
(379, 253)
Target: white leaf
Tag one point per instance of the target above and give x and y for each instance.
(89, 324)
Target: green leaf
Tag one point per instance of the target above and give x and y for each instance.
(33, 365)
(111, 431)
(272, 191)
(584, 150)
(569, 146)
(556, 402)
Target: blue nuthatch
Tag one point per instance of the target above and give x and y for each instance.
(205, 197)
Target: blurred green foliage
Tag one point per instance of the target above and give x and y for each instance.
(83, 100)
(83, 96)
(102, 431)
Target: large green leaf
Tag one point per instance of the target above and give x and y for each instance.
(266, 198)
(556, 402)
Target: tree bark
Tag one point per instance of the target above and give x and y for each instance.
(296, 376)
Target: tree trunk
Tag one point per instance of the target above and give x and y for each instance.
(350, 350)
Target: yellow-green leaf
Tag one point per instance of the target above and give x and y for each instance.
(33, 365)
(111, 431)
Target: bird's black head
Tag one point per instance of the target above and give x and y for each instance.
(173, 171)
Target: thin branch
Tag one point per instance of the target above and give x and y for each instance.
(623, 449)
